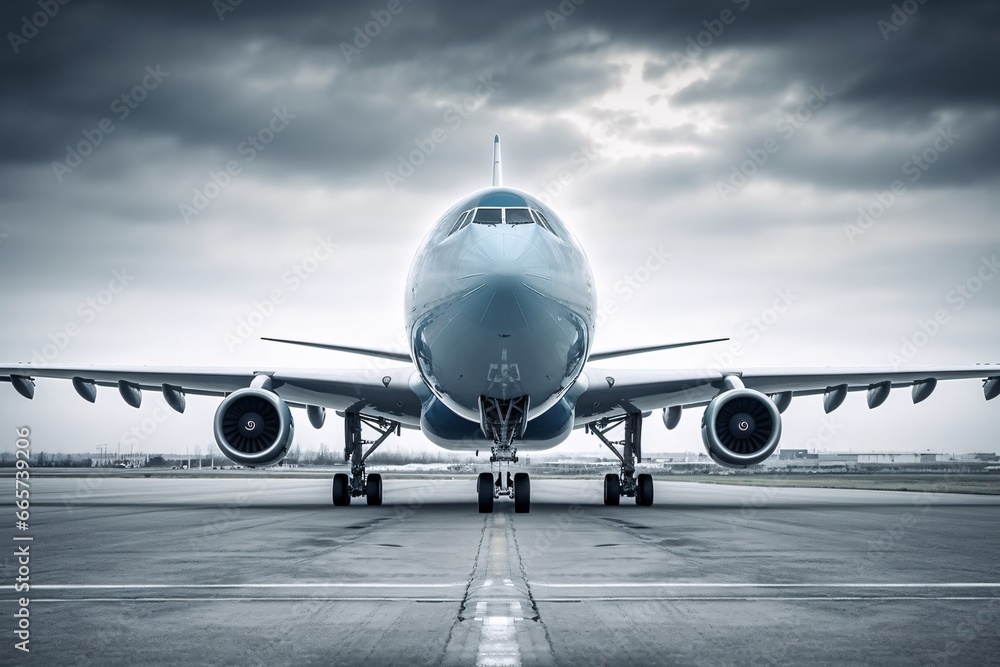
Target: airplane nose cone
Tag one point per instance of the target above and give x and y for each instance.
(506, 275)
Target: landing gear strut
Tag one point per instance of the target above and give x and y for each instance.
(625, 484)
(358, 483)
(516, 487)
(503, 420)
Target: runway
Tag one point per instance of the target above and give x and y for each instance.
(266, 571)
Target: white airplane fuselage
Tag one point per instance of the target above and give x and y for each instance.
(500, 305)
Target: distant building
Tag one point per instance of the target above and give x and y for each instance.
(890, 457)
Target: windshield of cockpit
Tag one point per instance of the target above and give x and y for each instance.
(500, 215)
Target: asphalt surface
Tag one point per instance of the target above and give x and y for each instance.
(268, 572)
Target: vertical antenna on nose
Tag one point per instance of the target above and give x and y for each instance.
(497, 170)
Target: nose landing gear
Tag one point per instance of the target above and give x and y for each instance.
(516, 487)
(504, 421)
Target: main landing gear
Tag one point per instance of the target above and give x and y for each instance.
(627, 483)
(358, 483)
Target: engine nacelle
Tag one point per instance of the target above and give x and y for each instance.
(254, 427)
(740, 428)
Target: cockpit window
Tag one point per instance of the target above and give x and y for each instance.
(488, 216)
(542, 221)
(518, 216)
(496, 215)
(463, 220)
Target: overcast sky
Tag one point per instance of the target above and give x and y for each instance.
(167, 168)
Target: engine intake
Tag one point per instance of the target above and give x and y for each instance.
(740, 428)
(254, 427)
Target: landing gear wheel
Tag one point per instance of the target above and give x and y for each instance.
(373, 489)
(644, 490)
(612, 489)
(341, 490)
(485, 489)
(522, 493)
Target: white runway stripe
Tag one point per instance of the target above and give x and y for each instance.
(588, 585)
(655, 598)
(327, 584)
(719, 584)
(784, 598)
(303, 598)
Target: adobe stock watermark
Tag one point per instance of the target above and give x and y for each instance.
(376, 366)
(249, 149)
(971, 628)
(750, 331)
(364, 34)
(741, 173)
(293, 279)
(630, 284)
(122, 107)
(827, 432)
(900, 14)
(552, 532)
(879, 546)
(754, 328)
(582, 158)
(704, 39)
(220, 522)
(87, 311)
(30, 25)
(914, 167)
(223, 7)
(563, 11)
(144, 428)
(453, 117)
(86, 488)
(958, 298)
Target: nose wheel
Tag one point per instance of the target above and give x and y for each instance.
(522, 493)
(518, 487)
(485, 490)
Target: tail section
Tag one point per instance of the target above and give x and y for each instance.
(497, 169)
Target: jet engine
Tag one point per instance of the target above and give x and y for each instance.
(254, 427)
(740, 428)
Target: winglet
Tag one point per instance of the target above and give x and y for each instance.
(497, 171)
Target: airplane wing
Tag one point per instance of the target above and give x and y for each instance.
(376, 392)
(611, 393)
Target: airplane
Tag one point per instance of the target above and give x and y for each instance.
(500, 315)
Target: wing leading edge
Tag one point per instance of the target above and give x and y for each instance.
(385, 393)
(615, 392)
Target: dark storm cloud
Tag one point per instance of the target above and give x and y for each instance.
(226, 76)
(717, 78)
